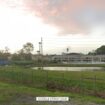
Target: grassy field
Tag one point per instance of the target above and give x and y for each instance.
(14, 94)
(84, 82)
(62, 80)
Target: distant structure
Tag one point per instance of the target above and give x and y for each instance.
(41, 53)
(4, 62)
(78, 58)
(41, 47)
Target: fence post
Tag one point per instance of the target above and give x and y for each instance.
(17, 77)
(62, 82)
(32, 77)
(12, 75)
(95, 84)
(46, 78)
(62, 77)
(81, 84)
(21, 81)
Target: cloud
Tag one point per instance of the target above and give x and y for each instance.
(70, 16)
(12, 3)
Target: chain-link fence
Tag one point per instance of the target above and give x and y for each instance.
(54, 82)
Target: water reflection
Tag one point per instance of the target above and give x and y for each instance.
(71, 68)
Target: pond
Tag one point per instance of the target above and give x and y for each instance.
(71, 68)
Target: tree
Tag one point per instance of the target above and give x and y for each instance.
(92, 52)
(4, 54)
(28, 48)
(15, 57)
(100, 50)
(24, 53)
(7, 49)
(67, 50)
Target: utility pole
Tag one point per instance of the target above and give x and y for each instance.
(41, 51)
(67, 54)
(41, 46)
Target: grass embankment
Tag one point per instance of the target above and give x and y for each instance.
(87, 82)
(14, 94)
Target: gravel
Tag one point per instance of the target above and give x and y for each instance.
(29, 100)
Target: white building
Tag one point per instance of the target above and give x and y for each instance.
(42, 57)
(79, 58)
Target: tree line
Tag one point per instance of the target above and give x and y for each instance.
(23, 54)
(26, 52)
(98, 51)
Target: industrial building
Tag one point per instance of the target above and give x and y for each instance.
(79, 58)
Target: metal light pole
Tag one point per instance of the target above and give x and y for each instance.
(41, 46)
(68, 54)
(41, 52)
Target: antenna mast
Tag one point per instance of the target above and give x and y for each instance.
(41, 46)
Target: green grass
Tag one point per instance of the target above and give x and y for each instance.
(73, 81)
(9, 93)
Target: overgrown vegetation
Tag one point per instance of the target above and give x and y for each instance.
(15, 94)
(86, 82)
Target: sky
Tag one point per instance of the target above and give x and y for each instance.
(75, 24)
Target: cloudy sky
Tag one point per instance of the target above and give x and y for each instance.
(76, 24)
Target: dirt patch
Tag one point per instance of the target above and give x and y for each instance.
(29, 100)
